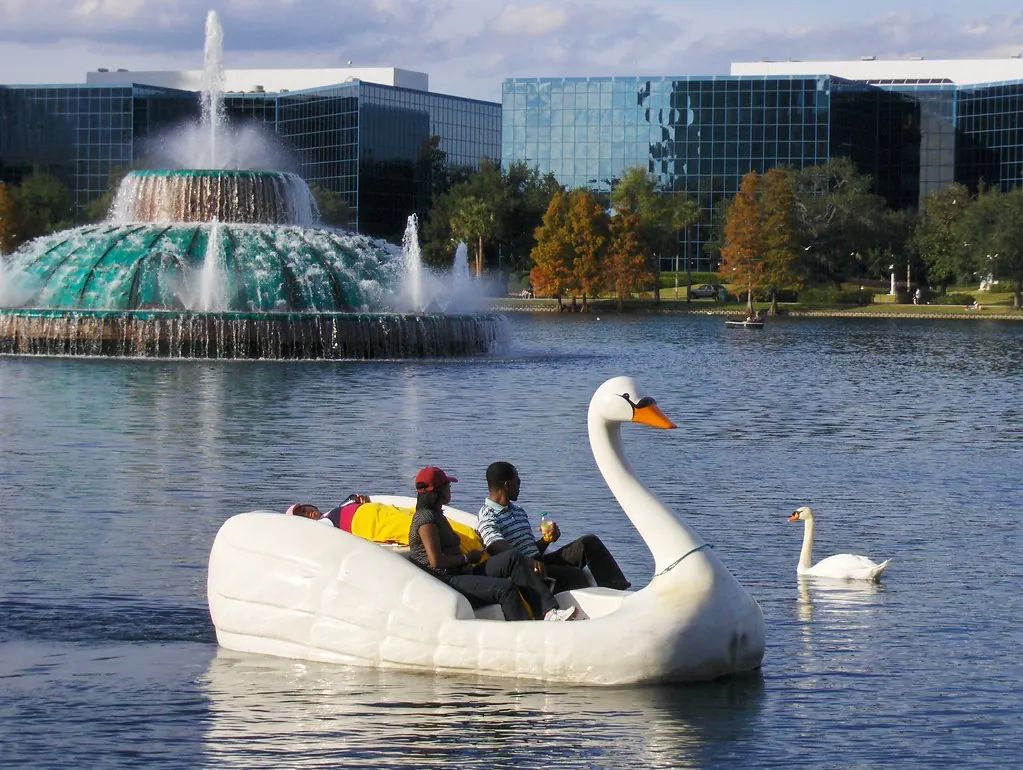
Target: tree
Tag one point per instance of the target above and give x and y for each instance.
(779, 245)
(474, 221)
(553, 253)
(741, 262)
(518, 198)
(838, 217)
(661, 215)
(993, 230)
(588, 227)
(99, 208)
(627, 267)
(333, 206)
(43, 205)
(529, 194)
(936, 237)
(9, 236)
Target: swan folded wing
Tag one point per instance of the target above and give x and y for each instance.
(847, 565)
(281, 585)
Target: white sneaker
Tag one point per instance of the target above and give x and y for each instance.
(556, 614)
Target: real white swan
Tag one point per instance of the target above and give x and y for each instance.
(287, 586)
(843, 565)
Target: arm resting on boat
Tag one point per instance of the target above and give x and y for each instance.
(436, 556)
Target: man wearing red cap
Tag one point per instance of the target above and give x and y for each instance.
(434, 546)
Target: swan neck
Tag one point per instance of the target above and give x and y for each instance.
(806, 555)
(667, 538)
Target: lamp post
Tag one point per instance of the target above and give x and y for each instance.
(892, 268)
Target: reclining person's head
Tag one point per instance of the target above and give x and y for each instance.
(305, 510)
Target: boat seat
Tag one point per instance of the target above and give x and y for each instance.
(490, 612)
(592, 602)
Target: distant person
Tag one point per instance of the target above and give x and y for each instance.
(504, 526)
(434, 546)
(917, 296)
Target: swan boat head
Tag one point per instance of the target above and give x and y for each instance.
(689, 579)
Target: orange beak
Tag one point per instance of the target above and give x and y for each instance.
(794, 516)
(651, 414)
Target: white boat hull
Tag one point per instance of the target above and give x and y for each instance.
(286, 586)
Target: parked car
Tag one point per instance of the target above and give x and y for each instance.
(705, 290)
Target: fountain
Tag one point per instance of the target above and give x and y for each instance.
(226, 263)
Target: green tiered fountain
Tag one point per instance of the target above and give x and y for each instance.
(223, 263)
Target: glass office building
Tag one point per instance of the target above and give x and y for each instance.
(82, 133)
(365, 141)
(701, 135)
(990, 120)
(371, 143)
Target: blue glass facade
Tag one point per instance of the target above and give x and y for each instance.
(362, 140)
(700, 135)
(694, 135)
(368, 142)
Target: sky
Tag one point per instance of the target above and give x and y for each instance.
(469, 46)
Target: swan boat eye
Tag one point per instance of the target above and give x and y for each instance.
(643, 402)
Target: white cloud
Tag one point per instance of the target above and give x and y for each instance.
(534, 19)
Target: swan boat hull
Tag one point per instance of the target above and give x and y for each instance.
(290, 587)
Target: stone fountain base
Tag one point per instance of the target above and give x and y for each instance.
(180, 334)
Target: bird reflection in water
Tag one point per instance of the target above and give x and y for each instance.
(268, 711)
(835, 607)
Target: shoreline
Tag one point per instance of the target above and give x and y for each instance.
(519, 305)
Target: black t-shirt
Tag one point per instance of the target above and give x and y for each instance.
(449, 543)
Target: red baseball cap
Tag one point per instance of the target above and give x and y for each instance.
(431, 477)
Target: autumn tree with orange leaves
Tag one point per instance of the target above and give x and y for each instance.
(741, 262)
(553, 253)
(588, 224)
(627, 266)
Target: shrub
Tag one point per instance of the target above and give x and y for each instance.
(668, 279)
(832, 296)
(954, 299)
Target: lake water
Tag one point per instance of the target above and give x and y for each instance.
(906, 437)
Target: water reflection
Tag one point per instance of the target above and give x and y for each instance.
(267, 711)
(834, 611)
(835, 596)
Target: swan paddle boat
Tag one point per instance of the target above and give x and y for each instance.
(288, 586)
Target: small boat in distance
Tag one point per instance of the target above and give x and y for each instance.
(753, 320)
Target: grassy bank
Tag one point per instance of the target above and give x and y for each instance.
(992, 307)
